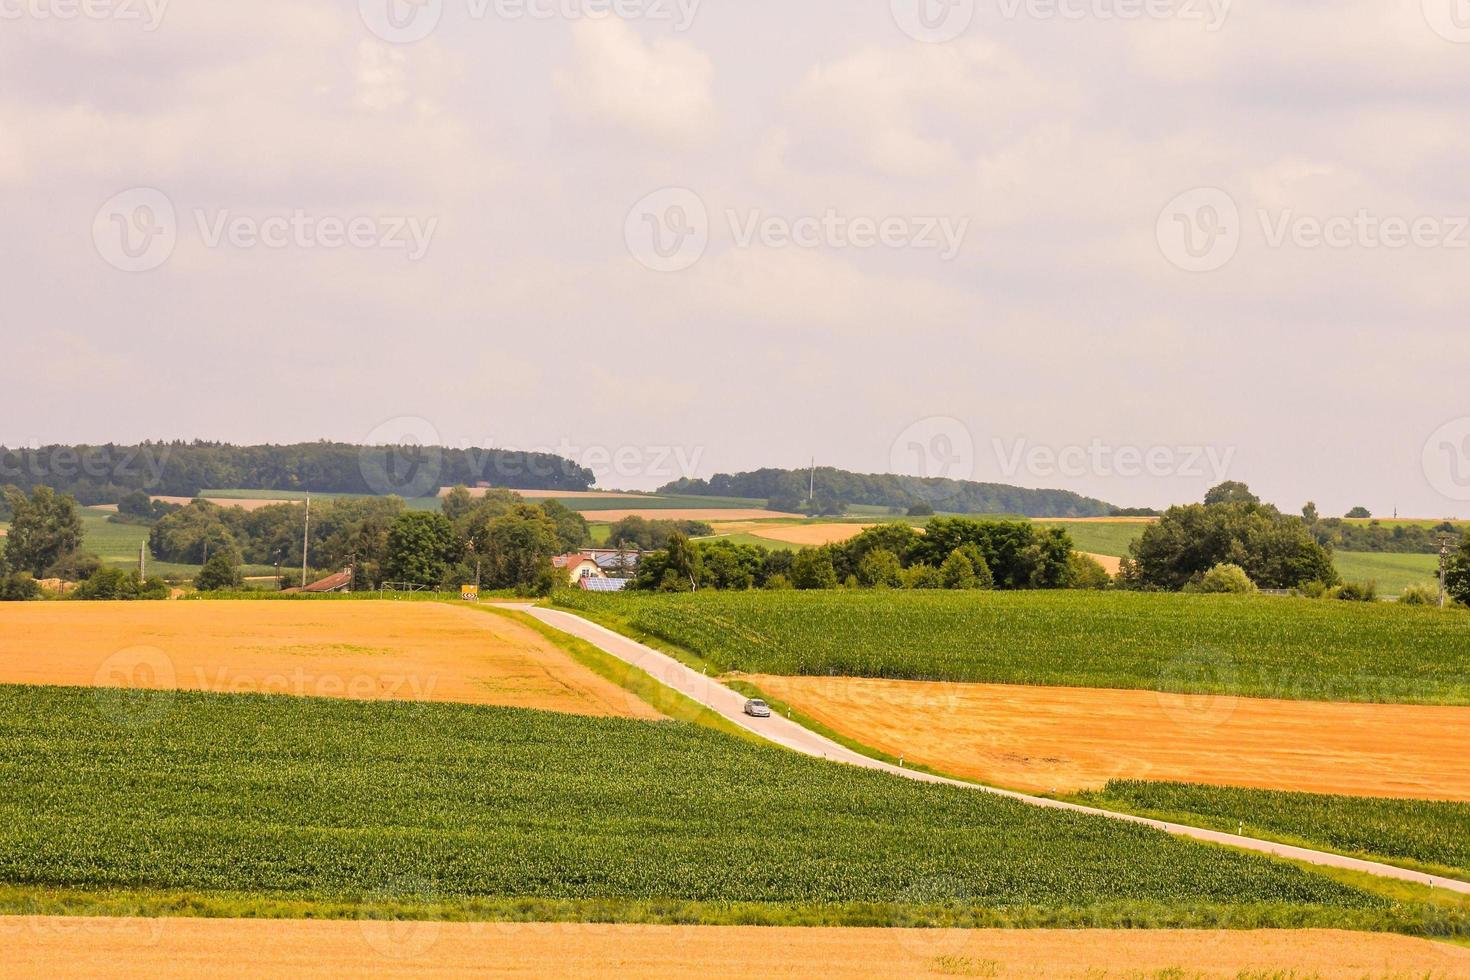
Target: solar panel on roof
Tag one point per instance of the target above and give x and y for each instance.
(604, 584)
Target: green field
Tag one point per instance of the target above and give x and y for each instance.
(1101, 538)
(1252, 645)
(1428, 833)
(117, 544)
(1392, 572)
(243, 799)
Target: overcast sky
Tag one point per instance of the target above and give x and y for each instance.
(1117, 247)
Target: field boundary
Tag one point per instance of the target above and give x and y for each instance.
(49, 900)
(714, 694)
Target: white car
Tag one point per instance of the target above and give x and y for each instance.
(757, 708)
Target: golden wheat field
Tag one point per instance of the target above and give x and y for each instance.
(1065, 739)
(226, 948)
(359, 649)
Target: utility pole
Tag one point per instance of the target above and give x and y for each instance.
(305, 540)
(811, 487)
(1444, 554)
(142, 563)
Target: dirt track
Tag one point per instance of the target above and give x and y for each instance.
(359, 649)
(228, 948)
(1047, 739)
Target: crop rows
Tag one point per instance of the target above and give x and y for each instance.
(1428, 831)
(317, 798)
(1256, 646)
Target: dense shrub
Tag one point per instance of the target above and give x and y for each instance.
(1419, 595)
(1223, 578)
(18, 587)
(1356, 592)
(1084, 572)
(222, 571)
(118, 583)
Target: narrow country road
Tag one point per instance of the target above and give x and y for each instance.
(716, 696)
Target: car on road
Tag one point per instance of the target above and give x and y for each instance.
(757, 708)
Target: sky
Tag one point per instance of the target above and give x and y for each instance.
(1123, 247)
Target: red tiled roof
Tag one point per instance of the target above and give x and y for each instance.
(332, 582)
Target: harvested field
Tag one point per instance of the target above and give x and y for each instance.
(1110, 563)
(363, 650)
(685, 514)
(544, 494)
(147, 948)
(1051, 739)
(810, 535)
(245, 503)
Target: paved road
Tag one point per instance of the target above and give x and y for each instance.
(728, 703)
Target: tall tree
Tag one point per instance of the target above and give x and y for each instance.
(419, 548)
(1231, 492)
(44, 528)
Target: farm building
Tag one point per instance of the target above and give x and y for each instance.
(615, 563)
(340, 582)
(578, 566)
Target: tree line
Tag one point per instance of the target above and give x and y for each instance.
(1415, 539)
(497, 539)
(951, 553)
(507, 541)
(835, 490)
(102, 474)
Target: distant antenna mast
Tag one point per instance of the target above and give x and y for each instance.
(811, 487)
(305, 539)
(142, 563)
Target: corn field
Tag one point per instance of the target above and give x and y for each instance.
(1262, 646)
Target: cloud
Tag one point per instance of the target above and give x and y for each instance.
(273, 116)
(659, 89)
(919, 110)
